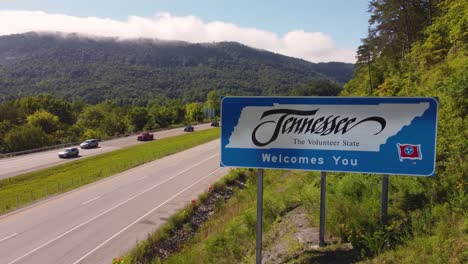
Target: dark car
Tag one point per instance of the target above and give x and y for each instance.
(90, 143)
(215, 124)
(145, 136)
(189, 128)
(69, 153)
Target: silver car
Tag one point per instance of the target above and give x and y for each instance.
(69, 153)
(90, 143)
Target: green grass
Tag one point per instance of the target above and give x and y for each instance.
(436, 234)
(447, 242)
(23, 189)
(430, 235)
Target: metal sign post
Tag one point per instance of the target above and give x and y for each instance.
(210, 113)
(384, 202)
(323, 186)
(259, 216)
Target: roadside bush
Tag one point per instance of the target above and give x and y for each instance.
(26, 137)
(91, 133)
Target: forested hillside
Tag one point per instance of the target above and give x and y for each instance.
(420, 48)
(134, 72)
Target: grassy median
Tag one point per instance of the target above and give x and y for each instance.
(23, 189)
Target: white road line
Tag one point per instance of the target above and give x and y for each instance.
(141, 178)
(94, 199)
(105, 212)
(8, 237)
(145, 215)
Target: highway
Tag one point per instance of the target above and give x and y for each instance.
(100, 221)
(25, 163)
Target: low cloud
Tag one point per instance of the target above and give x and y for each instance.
(311, 46)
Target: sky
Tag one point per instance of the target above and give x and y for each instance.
(313, 30)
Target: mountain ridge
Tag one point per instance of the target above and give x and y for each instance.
(139, 70)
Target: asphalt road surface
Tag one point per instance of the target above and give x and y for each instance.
(25, 163)
(101, 221)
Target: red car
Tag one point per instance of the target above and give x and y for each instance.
(145, 136)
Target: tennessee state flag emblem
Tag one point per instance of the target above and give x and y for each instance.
(409, 151)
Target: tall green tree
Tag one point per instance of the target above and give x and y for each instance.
(113, 123)
(213, 100)
(56, 106)
(48, 122)
(91, 118)
(176, 110)
(422, 53)
(194, 112)
(396, 24)
(137, 118)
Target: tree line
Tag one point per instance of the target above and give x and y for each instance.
(44, 120)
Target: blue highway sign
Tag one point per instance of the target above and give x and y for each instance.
(384, 135)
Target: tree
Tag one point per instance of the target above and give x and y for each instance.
(5, 126)
(317, 88)
(396, 24)
(176, 110)
(26, 137)
(45, 120)
(365, 57)
(113, 123)
(51, 104)
(213, 100)
(91, 117)
(137, 118)
(10, 112)
(91, 133)
(155, 118)
(194, 112)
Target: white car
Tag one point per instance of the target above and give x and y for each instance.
(69, 153)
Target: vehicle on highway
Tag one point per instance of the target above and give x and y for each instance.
(69, 153)
(145, 136)
(189, 128)
(215, 124)
(89, 143)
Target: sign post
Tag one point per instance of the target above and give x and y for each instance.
(323, 186)
(381, 135)
(210, 113)
(259, 216)
(384, 202)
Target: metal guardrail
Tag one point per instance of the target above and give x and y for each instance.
(29, 151)
(23, 152)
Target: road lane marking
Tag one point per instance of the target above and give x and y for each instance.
(145, 215)
(94, 199)
(141, 178)
(106, 211)
(8, 237)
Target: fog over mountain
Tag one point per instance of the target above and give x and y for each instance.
(101, 68)
(310, 46)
